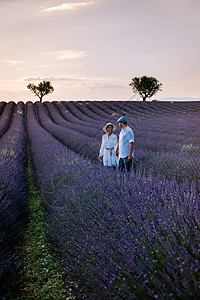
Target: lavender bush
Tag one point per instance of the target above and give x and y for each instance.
(70, 117)
(84, 107)
(97, 108)
(169, 146)
(84, 129)
(2, 105)
(14, 210)
(6, 116)
(117, 236)
(82, 144)
(78, 113)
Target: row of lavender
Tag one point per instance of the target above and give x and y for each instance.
(6, 113)
(97, 125)
(117, 237)
(169, 141)
(14, 209)
(146, 126)
(170, 146)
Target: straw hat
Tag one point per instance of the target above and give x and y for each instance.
(109, 124)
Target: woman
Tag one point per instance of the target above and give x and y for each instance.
(108, 146)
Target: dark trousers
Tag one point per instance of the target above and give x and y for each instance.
(125, 164)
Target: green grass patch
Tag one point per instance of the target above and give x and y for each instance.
(43, 277)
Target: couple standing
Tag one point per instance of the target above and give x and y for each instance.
(121, 152)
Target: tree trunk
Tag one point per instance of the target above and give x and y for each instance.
(41, 99)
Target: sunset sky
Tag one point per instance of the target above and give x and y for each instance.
(92, 49)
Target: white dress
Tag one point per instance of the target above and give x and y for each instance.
(107, 150)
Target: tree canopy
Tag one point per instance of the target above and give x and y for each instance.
(145, 86)
(42, 89)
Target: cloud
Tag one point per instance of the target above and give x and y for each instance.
(180, 99)
(104, 82)
(81, 81)
(49, 78)
(114, 85)
(72, 54)
(64, 54)
(14, 62)
(69, 6)
(34, 78)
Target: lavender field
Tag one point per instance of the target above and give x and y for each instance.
(115, 235)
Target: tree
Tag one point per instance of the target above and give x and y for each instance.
(42, 89)
(145, 86)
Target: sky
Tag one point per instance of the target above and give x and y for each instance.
(90, 50)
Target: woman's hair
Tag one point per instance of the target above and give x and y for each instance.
(108, 126)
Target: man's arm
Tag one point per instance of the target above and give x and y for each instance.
(131, 150)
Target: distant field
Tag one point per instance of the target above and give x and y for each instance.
(115, 236)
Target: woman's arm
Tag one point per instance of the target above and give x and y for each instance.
(117, 149)
(101, 149)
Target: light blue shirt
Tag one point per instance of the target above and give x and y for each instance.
(126, 137)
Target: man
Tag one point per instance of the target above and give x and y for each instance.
(125, 145)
